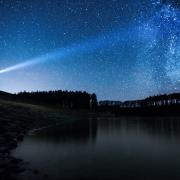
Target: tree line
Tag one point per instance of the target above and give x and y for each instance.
(84, 100)
(161, 105)
(158, 100)
(64, 99)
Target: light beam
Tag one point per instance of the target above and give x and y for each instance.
(88, 46)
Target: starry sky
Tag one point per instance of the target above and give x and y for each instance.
(119, 49)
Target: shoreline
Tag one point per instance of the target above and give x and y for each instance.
(16, 121)
(19, 119)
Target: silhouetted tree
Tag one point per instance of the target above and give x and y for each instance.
(94, 101)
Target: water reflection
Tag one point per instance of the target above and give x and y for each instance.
(154, 126)
(105, 148)
(79, 131)
(84, 130)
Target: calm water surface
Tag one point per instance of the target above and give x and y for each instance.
(104, 148)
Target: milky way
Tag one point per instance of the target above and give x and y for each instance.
(161, 55)
(120, 49)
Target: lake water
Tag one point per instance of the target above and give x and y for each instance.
(132, 148)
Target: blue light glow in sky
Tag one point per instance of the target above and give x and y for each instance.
(119, 49)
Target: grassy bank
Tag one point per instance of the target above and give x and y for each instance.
(16, 119)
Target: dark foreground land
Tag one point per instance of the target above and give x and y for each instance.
(16, 119)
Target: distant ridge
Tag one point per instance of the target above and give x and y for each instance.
(6, 95)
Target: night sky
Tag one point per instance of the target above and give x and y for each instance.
(119, 49)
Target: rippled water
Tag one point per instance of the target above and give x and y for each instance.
(105, 148)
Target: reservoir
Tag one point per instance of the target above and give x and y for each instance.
(127, 148)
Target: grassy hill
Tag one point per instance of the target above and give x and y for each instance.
(16, 119)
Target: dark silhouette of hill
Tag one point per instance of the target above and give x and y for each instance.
(6, 95)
